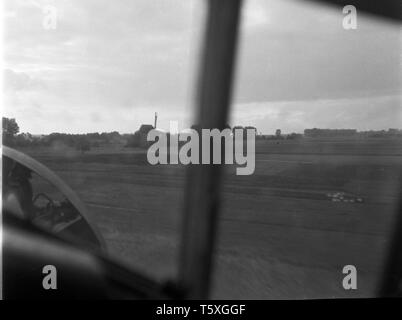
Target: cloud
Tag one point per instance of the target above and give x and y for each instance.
(304, 53)
(363, 113)
(20, 81)
(110, 65)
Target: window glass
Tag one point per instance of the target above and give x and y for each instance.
(85, 81)
(318, 200)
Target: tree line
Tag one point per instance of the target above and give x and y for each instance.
(82, 142)
(85, 142)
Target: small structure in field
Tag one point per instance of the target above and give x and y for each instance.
(139, 138)
(343, 197)
(143, 132)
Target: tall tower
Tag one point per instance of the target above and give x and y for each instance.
(156, 119)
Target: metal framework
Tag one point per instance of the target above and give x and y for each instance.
(203, 183)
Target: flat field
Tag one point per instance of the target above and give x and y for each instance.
(310, 208)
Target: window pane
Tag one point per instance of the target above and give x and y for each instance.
(323, 199)
(81, 78)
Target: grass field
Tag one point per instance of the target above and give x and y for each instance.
(280, 234)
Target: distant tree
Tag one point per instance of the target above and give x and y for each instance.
(278, 133)
(83, 144)
(10, 130)
(23, 139)
(294, 136)
(110, 137)
(95, 144)
(134, 140)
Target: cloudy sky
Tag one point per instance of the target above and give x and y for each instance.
(109, 65)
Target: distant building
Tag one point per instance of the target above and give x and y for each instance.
(393, 131)
(320, 133)
(143, 133)
(278, 133)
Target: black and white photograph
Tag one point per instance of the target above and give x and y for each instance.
(205, 150)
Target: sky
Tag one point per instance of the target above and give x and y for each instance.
(110, 65)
